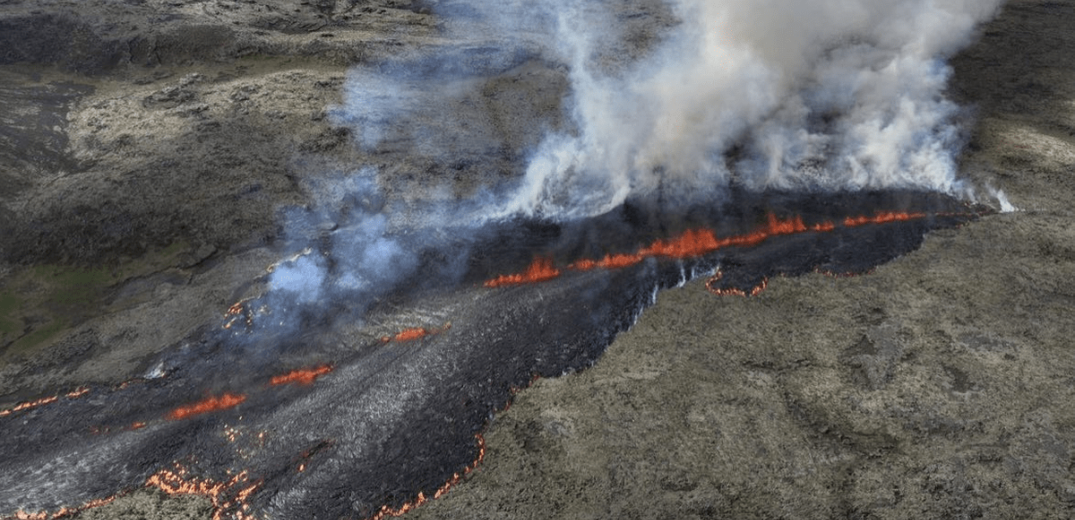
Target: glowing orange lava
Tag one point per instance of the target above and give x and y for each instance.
(34, 404)
(239, 311)
(233, 313)
(731, 291)
(608, 262)
(230, 496)
(797, 226)
(882, 218)
(697, 242)
(456, 478)
(304, 376)
(823, 227)
(514, 390)
(386, 511)
(539, 271)
(235, 309)
(211, 404)
(75, 394)
(414, 334)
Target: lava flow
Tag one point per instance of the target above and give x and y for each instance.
(43, 401)
(387, 511)
(539, 271)
(211, 404)
(227, 497)
(882, 218)
(64, 512)
(29, 404)
(695, 243)
(390, 401)
(304, 376)
(414, 334)
(731, 291)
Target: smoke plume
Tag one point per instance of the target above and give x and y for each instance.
(354, 245)
(789, 94)
(786, 94)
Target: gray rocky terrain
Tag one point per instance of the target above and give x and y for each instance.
(148, 147)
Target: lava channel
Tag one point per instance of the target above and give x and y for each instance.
(28, 405)
(211, 404)
(303, 377)
(414, 334)
(695, 243)
(540, 270)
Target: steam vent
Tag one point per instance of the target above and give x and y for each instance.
(440, 259)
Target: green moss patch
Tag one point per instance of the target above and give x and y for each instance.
(56, 297)
(10, 323)
(38, 337)
(73, 287)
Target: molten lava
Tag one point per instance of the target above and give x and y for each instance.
(514, 390)
(796, 226)
(823, 227)
(233, 313)
(690, 243)
(43, 401)
(230, 497)
(694, 243)
(386, 511)
(709, 285)
(226, 497)
(608, 262)
(64, 512)
(28, 405)
(211, 404)
(235, 309)
(882, 218)
(303, 377)
(414, 334)
(539, 271)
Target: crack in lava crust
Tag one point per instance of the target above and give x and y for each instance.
(295, 421)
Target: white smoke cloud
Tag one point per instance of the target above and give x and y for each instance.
(347, 250)
(352, 245)
(302, 277)
(820, 94)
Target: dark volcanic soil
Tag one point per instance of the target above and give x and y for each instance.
(147, 147)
